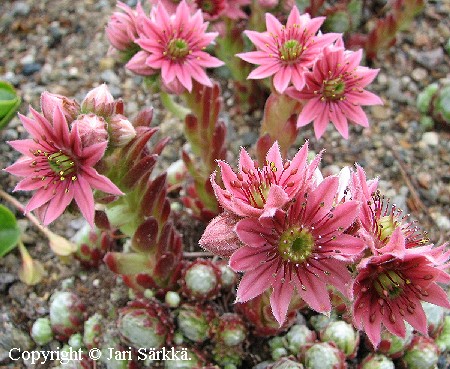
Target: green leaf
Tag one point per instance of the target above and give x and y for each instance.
(9, 231)
(9, 103)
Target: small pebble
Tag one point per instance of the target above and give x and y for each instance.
(21, 8)
(419, 74)
(31, 68)
(430, 138)
(424, 180)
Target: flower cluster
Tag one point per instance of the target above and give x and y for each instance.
(294, 233)
(332, 91)
(172, 43)
(67, 141)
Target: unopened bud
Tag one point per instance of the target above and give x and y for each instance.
(121, 131)
(91, 128)
(70, 108)
(99, 101)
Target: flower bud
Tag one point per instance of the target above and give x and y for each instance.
(172, 299)
(99, 101)
(121, 30)
(194, 321)
(343, 335)
(268, 4)
(69, 107)
(422, 354)
(121, 131)
(298, 336)
(201, 280)
(230, 330)
(145, 323)
(66, 314)
(91, 128)
(41, 331)
(92, 246)
(92, 331)
(377, 361)
(324, 355)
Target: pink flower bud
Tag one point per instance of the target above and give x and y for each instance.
(121, 131)
(121, 29)
(69, 107)
(91, 129)
(99, 101)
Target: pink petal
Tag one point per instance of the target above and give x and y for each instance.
(21, 168)
(314, 291)
(39, 198)
(255, 282)
(57, 205)
(339, 120)
(228, 176)
(280, 299)
(256, 57)
(61, 127)
(343, 217)
(248, 258)
(82, 193)
(251, 233)
(99, 181)
(245, 161)
(264, 71)
(282, 78)
(276, 198)
(437, 296)
(273, 25)
(273, 157)
(363, 98)
(354, 113)
(260, 40)
(321, 122)
(418, 319)
(310, 111)
(93, 153)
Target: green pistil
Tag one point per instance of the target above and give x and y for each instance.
(333, 89)
(61, 164)
(291, 50)
(390, 284)
(177, 49)
(296, 245)
(207, 6)
(386, 225)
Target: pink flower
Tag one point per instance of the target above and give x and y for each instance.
(379, 219)
(122, 27)
(233, 9)
(303, 249)
(175, 43)
(389, 288)
(287, 51)
(255, 190)
(58, 167)
(334, 91)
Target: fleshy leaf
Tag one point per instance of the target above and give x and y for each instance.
(9, 231)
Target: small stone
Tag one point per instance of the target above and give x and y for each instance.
(430, 138)
(442, 222)
(380, 112)
(429, 59)
(110, 77)
(419, 74)
(6, 279)
(424, 180)
(106, 63)
(21, 8)
(31, 68)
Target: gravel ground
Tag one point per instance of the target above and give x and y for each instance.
(60, 46)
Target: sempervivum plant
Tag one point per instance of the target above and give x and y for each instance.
(195, 321)
(376, 361)
(92, 245)
(41, 331)
(67, 314)
(230, 330)
(423, 353)
(298, 336)
(286, 363)
(92, 331)
(343, 335)
(392, 345)
(145, 324)
(323, 355)
(200, 280)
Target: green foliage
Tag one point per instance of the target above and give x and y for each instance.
(9, 231)
(9, 103)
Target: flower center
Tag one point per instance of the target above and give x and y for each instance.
(390, 284)
(296, 245)
(333, 89)
(291, 50)
(386, 226)
(211, 7)
(61, 164)
(177, 49)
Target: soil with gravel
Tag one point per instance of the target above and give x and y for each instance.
(60, 46)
